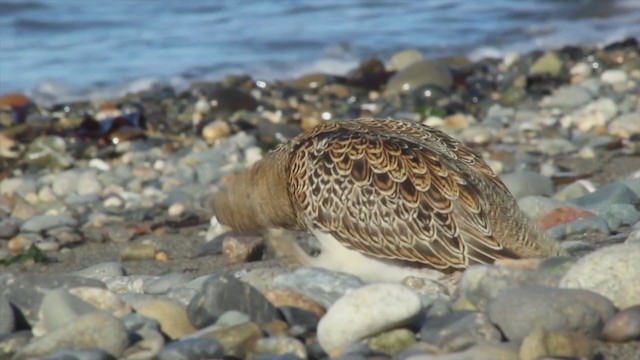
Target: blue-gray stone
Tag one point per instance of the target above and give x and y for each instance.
(617, 215)
(549, 309)
(526, 183)
(612, 193)
(580, 226)
(195, 348)
(135, 322)
(102, 271)
(76, 200)
(568, 97)
(164, 283)
(9, 227)
(321, 285)
(18, 185)
(7, 317)
(458, 330)
(45, 222)
(633, 184)
(574, 190)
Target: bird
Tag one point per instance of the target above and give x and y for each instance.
(386, 199)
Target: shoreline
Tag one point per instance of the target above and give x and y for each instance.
(122, 185)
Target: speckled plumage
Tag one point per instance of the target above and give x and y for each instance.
(388, 189)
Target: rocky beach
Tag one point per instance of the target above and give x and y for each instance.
(107, 250)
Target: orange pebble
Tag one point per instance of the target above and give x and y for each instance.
(162, 256)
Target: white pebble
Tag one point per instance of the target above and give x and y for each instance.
(113, 202)
(99, 164)
(176, 209)
(614, 76)
(367, 311)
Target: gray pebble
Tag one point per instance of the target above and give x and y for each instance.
(580, 226)
(526, 183)
(612, 193)
(458, 330)
(102, 271)
(65, 183)
(568, 97)
(519, 311)
(536, 206)
(164, 283)
(19, 185)
(617, 215)
(9, 227)
(12, 342)
(59, 307)
(555, 146)
(95, 330)
(88, 183)
(135, 322)
(79, 200)
(7, 317)
(321, 285)
(80, 354)
(574, 190)
(196, 348)
(46, 222)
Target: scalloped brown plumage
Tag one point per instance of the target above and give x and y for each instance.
(390, 192)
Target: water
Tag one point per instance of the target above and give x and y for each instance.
(104, 47)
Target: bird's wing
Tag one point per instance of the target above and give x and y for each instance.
(395, 195)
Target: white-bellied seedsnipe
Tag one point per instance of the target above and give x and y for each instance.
(386, 199)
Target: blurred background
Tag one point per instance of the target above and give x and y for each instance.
(77, 48)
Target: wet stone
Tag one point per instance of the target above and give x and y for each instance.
(226, 293)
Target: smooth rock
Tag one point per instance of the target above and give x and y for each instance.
(555, 146)
(48, 222)
(280, 345)
(19, 185)
(172, 316)
(367, 311)
(11, 343)
(618, 215)
(625, 125)
(216, 130)
(458, 330)
(574, 190)
(612, 193)
(138, 251)
(561, 216)
(226, 293)
(623, 326)
(526, 183)
(536, 206)
(9, 228)
(321, 285)
(242, 249)
(300, 320)
(164, 283)
(613, 76)
(237, 339)
(549, 63)
(591, 224)
(188, 349)
(568, 97)
(94, 330)
(404, 58)
(482, 284)
(285, 297)
(102, 299)
(558, 344)
(392, 342)
(79, 354)
(65, 183)
(25, 291)
(60, 308)
(420, 73)
(88, 183)
(7, 317)
(136, 322)
(484, 351)
(613, 272)
(549, 309)
(101, 271)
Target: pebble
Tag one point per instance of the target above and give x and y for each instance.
(187, 349)
(321, 285)
(215, 131)
(420, 73)
(9, 227)
(241, 249)
(404, 58)
(226, 293)
(285, 297)
(88, 183)
(574, 190)
(613, 272)
(48, 222)
(540, 344)
(237, 340)
(392, 342)
(612, 76)
(172, 316)
(458, 330)
(138, 251)
(555, 146)
(549, 63)
(561, 216)
(118, 233)
(102, 271)
(623, 326)
(164, 283)
(596, 224)
(280, 345)
(481, 284)
(625, 125)
(612, 193)
(568, 97)
(58, 308)
(526, 183)
(94, 330)
(102, 299)
(7, 318)
(148, 344)
(618, 215)
(367, 311)
(549, 309)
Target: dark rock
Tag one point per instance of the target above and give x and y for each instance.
(370, 74)
(9, 227)
(269, 132)
(301, 321)
(188, 349)
(25, 291)
(623, 326)
(226, 293)
(521, 310)
(231, 100)
(458, 330)
(135, 322)
(630, 42)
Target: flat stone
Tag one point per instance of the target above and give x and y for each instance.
(540, 344)
(19, 185)
(568, 97)
(612, 193)
(11, 343)
(172, 316)
(300, 320)
(101, 271)
(187, 349)
(555, 146)
(574, 190)
(164, 283)
(561, 216)
(88, 183)
(404, 58)
(237, 339)
(59, 308)
(596, 224)
(47, 222)
(613, 76)
(458, 330)
(623, 326)
(549, 63)
(25, 291)
(149, 343)
(482, 284)
(484, 351)
(536, 206)
(94, 330)
(7, 317)
(226, 293)
(80, 354)
(367, 311)
(526, 183)
(613, 272)
(618, 215)
(321, 285)
(522, 310)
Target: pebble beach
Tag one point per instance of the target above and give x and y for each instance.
(107, 250)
